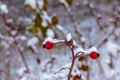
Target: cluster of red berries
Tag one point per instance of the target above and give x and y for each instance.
(92, 53)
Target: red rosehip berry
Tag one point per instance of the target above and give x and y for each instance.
(94, 55)
(48, 45)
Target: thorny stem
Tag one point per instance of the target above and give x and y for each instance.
(61, 69)
(73, 61)
(23, 58)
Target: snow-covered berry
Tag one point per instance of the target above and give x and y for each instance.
(94, 55)
(48, 45)
(68, 40)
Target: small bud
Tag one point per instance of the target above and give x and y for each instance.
(38, 60)
(68, 40)
(54, 20)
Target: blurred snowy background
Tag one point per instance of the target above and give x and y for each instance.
(24, 24)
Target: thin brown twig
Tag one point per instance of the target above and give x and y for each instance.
(61, 69)
(73, 21)
(73, 61)
(16, 43)
(93, 14)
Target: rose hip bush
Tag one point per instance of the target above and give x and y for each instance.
(59, 39)
(76, 51)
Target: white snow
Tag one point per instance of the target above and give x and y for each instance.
(21, 71)
(22, 37)
(112, 47)
(62, 1)
(59, 27)
(46, 17)
(68, 37)
(3, 8)
(50, 33)
(47, 39)
(44, 23)
(52, 40)
(5, 44)
(13, 32)
(79, 50)
(59, 76)
(9, 20)
(32, 41)
(40, 4)
(91, 49)
(67, 65)
(83, 39)
(32, 3)
(66, 4)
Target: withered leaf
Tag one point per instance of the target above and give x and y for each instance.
(69, 2)
(54, 20)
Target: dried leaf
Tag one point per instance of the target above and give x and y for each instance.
(38, 60)
(38, 20)
(32, 30)
(45, 2)
(84, 67)
(44, 7)
(54, 20)
(81, 58)
(69, 2)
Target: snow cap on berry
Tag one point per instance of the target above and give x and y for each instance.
(93, 53)
(68, 40)
(47, 39)
(91, 50)
(48, 43)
